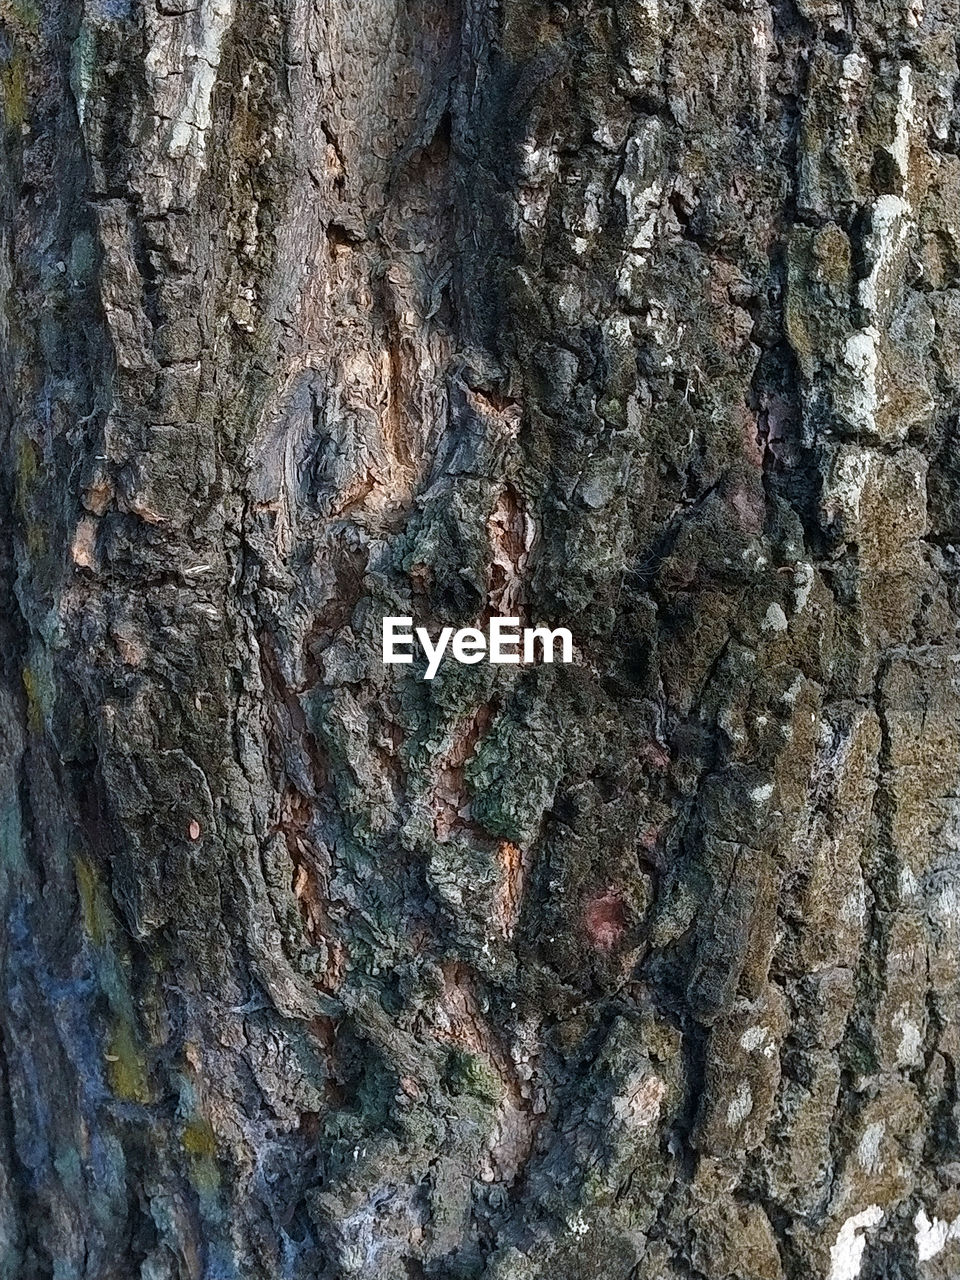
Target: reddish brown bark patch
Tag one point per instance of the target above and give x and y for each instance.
(450, 800)
(513, 873)
(654, 755)
(605, 920)
(748, 503)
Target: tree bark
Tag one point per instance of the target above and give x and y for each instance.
(642, 320)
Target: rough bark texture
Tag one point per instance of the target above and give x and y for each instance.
(639, 318)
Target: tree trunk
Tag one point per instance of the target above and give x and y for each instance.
(642, 320)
